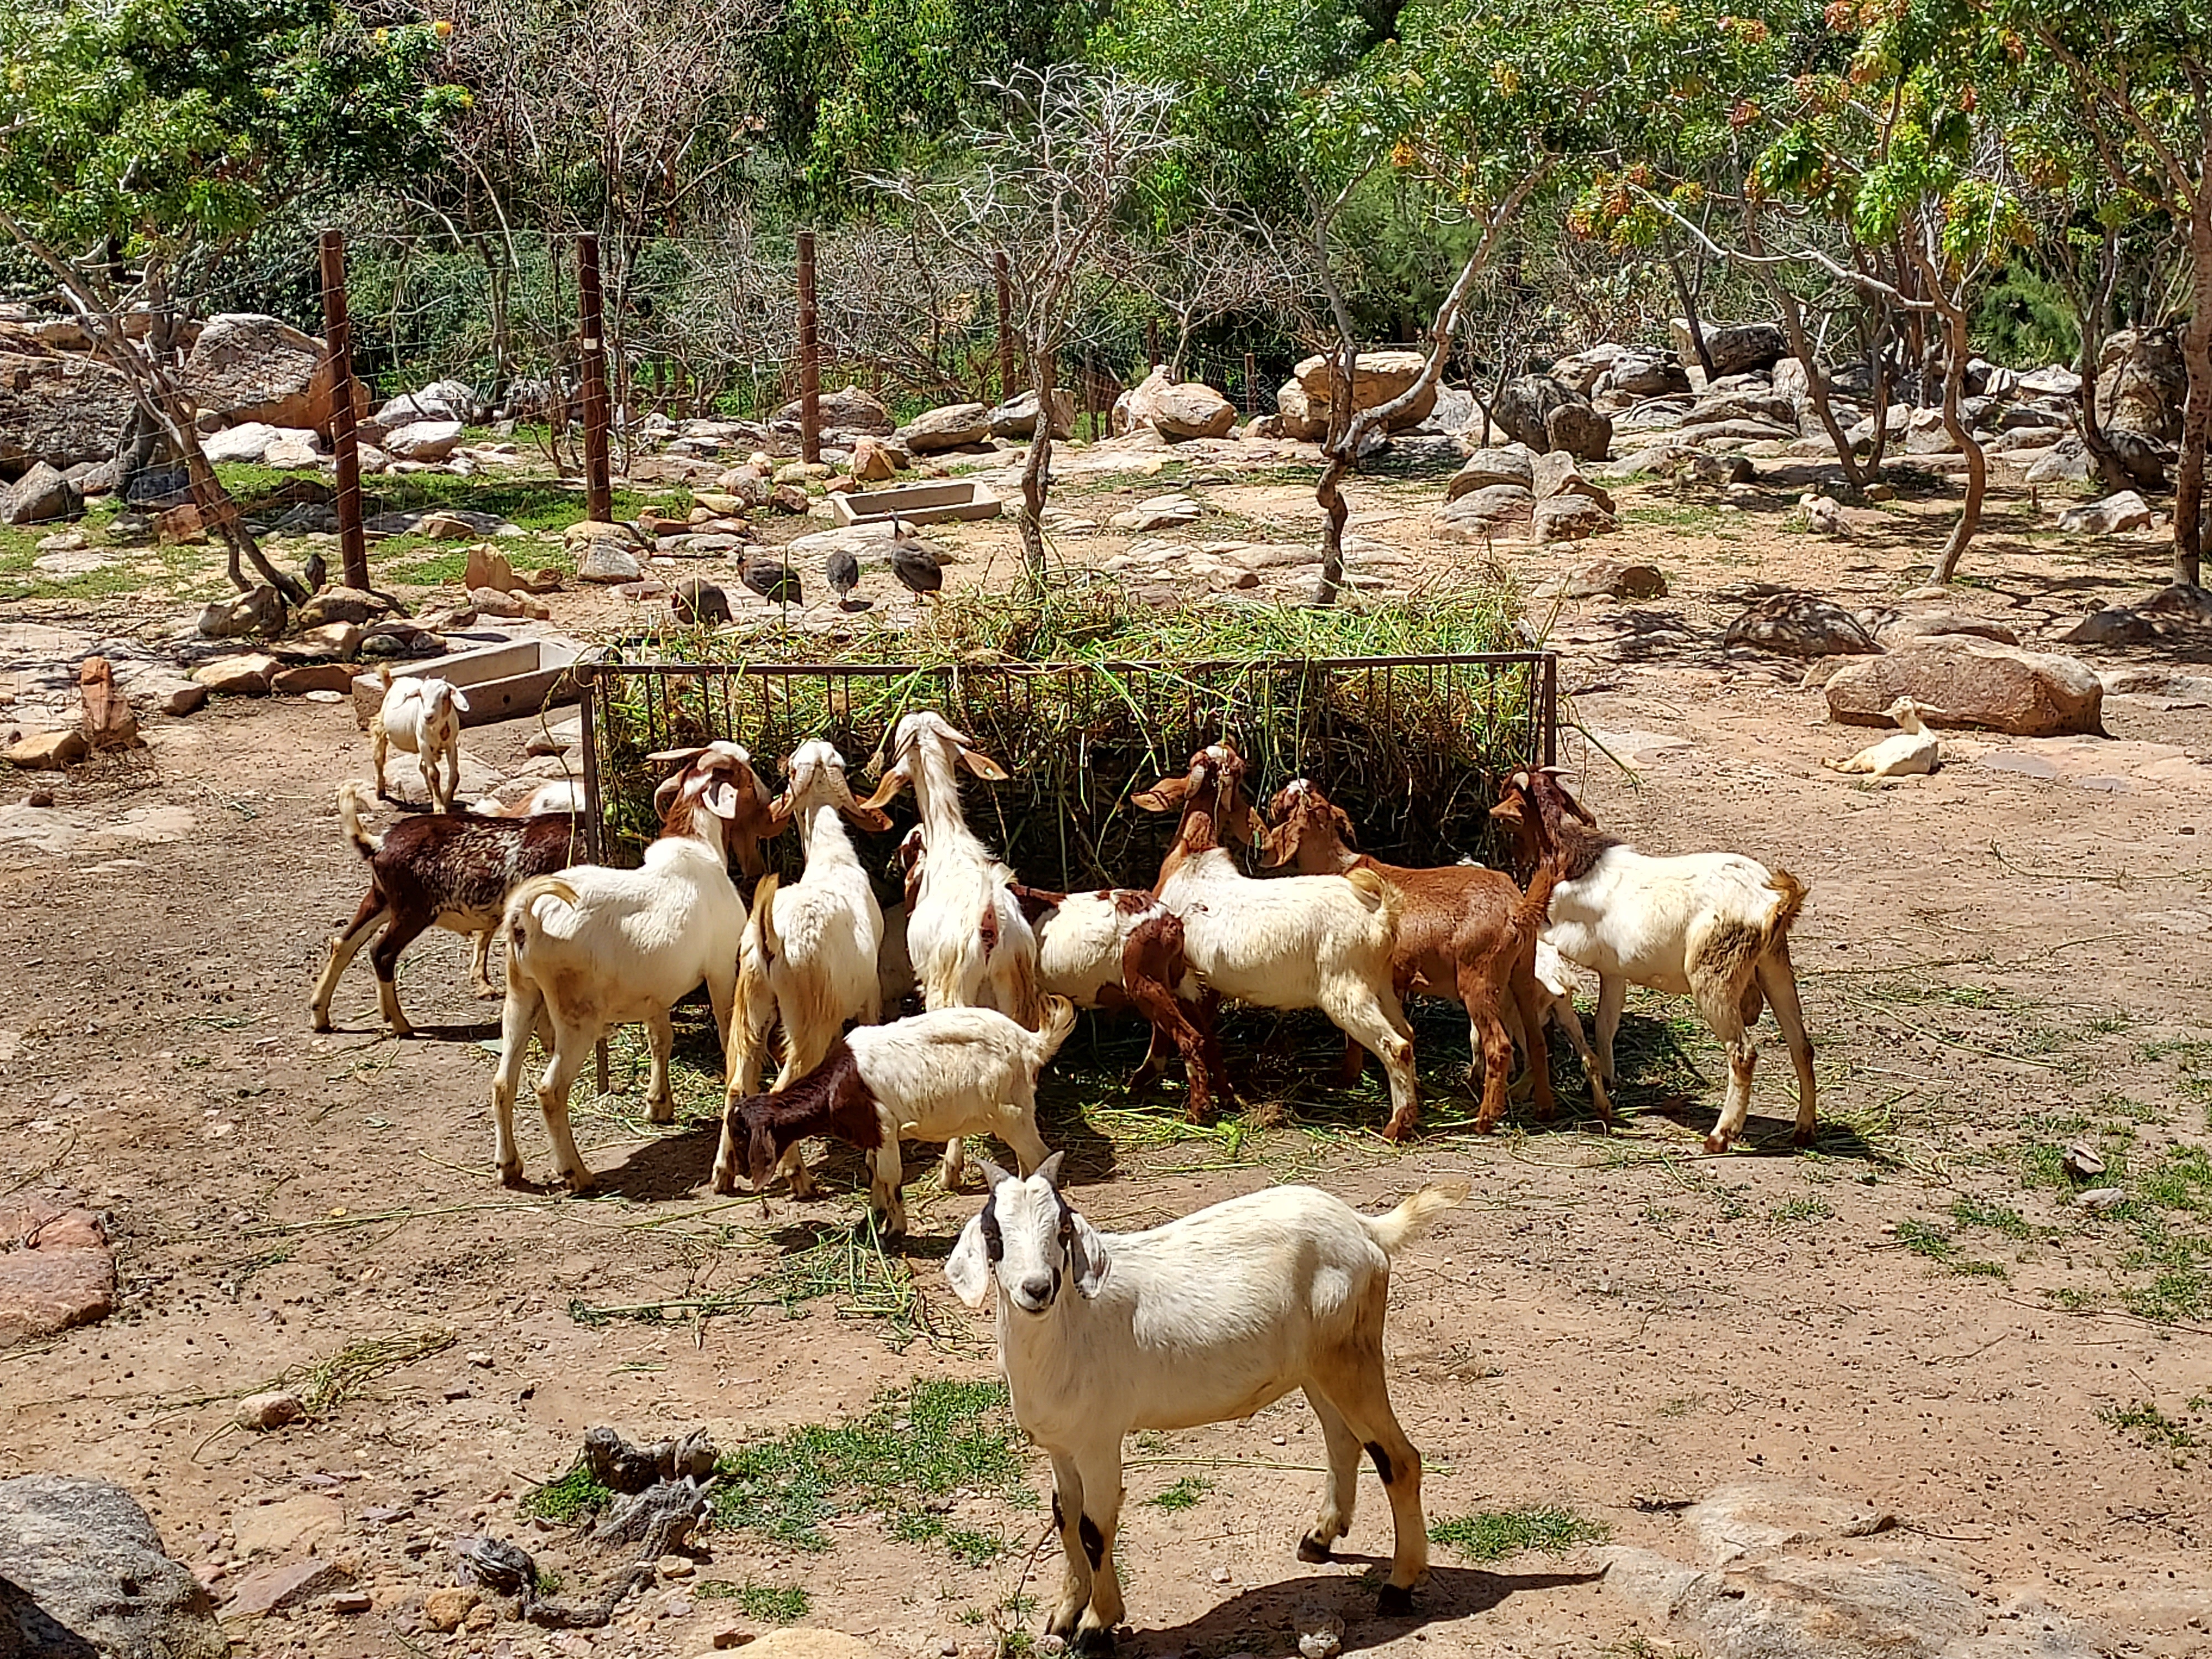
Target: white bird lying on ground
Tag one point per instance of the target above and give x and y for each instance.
(1911, 752)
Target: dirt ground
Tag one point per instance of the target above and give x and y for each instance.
(1998, 961)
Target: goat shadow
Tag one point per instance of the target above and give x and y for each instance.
(1265, 1619)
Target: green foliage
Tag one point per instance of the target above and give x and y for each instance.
(1183, 1495)
(769, 1604)
(1494, 1535)
(574, 1498)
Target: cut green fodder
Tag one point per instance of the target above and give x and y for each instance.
(769, 1604)
(325, 1384)
(574, 1498)
(1496, 1535)
(1183, 1495)
(902, 1460)
(1940, 1247)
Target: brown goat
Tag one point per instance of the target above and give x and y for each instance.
(451, 870)
(1468, 935)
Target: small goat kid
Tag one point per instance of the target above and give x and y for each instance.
(811, 954)
(595, 947)
(1319, 941)
(451, 870)
(1913, 753)
(1205, 1319)
(421, 715)
(937, 1076)
(1712, 926)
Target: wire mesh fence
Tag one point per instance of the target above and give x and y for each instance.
(1412, 748)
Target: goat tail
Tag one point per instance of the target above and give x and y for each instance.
(1412, 1219)
(1793, 893)
(1533, 909)
(766, 940)
(1058, 1020)
(523, 901)
(1381, 896)
(351, 793)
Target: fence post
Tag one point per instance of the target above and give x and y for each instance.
(599, 490)
(1251, 384)
(345, 444)
(810, 359)
(1006, 327)
(1151, 344)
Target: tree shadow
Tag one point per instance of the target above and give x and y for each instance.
(1266, 1619)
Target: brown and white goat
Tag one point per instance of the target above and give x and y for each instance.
(1319, 941)
(451, 869)
(1466, 934)
(594, 947)
(1712, 926)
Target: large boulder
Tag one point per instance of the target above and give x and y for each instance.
(1581, 371)
(1505, 464)
(1960, 681)
(1769, 407)
(82, 1572)
(39, 496)
(423, 441)
(1555, 473)
(1607, 578)
(2109, 517)
(63, 410)
(1492, 512)
(1180, 409)
(850, 411)
(1734, 347)
(440, 400)
(1581, 431)
(1524, 404)
(948, 428)
(1016, 418)
(2141, 382)
(1298, 416)
(1377, 378)
(1570, 518)
(1801, 625)
(246, 366)
(1645, 374)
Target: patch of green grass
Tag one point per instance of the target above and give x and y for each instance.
(1494, 1535)
(775, 1604)
(549, 1581)
(1803, 1207)
(1183, 1495)
(574, 1496)
(1996, 1218)
(1939, 1247)
(2149, 1426)
(900, 1461)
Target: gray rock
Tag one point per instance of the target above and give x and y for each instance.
(1556, 473)
(248, 367)
(1581, 431)
(2141, 382)
(1653, 415)
(2109, 517)
(947, 427)
(606, 561)
(59, 410)
(423, 441)
(82, 1572)
(2053, 380)
(2067, 463)
(1507, 463)
(1734, 347)
(41, 496)
(440, 400)
(850, 411)
(1763, 407)
(1607, 578)
(1934, 624)
(1524, 404)
(258, 610)
(1801, 625)
(1016, 418)
(1571, 517)
(1490, 514)
(1646, 374)
(1960, 681)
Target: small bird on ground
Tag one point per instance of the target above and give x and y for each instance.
(843, 570)
(316, 571)
(916, 563)
(701, 602)
(778, 583)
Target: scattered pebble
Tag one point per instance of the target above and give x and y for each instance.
(350, 1601)
(46, 797)
(273, 1410)
(478, 1357)
(1220, 1575)
(674, 1566)
(2099, 1198)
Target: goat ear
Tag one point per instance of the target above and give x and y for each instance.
(461, 700)
(1050, 1170)
(1164, 796)
(663, 794)
(983, 766)
(779, 813)
(721, 800)
(676, 756)
(1089, 1260)
(869, 817)
(891, 783)
(1275, 846)
(968, 1269)
(1343, 829)
(761, 1153)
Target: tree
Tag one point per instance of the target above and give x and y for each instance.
(142, 140)
(1043, 187)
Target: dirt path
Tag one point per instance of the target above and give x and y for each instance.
(1998, 962)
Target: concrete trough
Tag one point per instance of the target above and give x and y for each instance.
(503, 681)
(922, 503)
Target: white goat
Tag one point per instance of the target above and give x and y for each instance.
(562, 795)
(1712, 926)
(421, 716)
(812, 952)
(934, 1077)
(593, 947)
(1319, 941)
(1913, 753)
(1205, 1319)
(970, 943)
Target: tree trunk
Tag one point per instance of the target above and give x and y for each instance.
(1977, 466)
(1335, 512)
(2093, 312)
(1689, 306)
(1036, 474)
(1816, 384)
(2196, 410)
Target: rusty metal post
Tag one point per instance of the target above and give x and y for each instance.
(1005, 327)
(810, 360)
(1251, 384)
(599, 486)
(345, 444)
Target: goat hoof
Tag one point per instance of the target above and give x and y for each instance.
(510, 1175)
(581, 1186)
(1803, 1137)
(1311, 1548)
(1097, 1639)
(1717, 1143)
(1394, 1602)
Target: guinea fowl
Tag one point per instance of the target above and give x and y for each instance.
(917, 564)
(778, 583)
(843, 571)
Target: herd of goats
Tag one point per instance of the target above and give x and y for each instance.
(1207, 1318)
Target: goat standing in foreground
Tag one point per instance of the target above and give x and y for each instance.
(1205, 1319)
(934, 1077)
(812, 952)
(595, 947)
(1712, 926)
(421, 715)
(1466, 934)
(451, 870)
(1319, 941)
